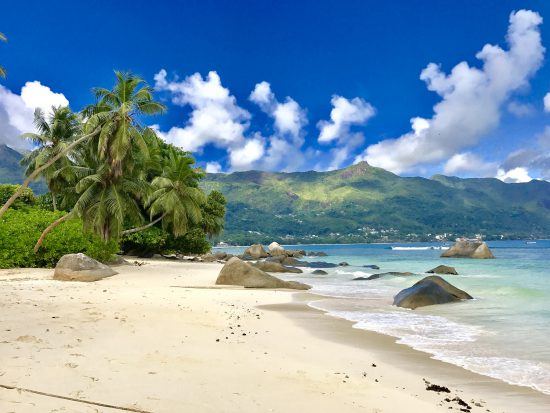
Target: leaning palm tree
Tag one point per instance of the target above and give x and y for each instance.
(3, 72)
(112, 123)
(53, 135)
(176, 199)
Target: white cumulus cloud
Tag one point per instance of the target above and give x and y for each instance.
(516, 175)
(244, 157)
(469, 164)
(546, 101)
(17, 111)
(215, 118)
(471, 99)
(213, 167)
(344, 114)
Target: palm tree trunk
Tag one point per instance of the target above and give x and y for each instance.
(49, 229)
(37, 171)
(54, 202)
(149, 225)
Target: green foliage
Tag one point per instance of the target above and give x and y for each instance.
(213, 214)
(27, 198)
(193, 242)
(146, 242)
(20, 229)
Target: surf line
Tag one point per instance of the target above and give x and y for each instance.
(57, 396)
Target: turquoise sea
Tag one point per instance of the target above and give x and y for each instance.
(503, 333)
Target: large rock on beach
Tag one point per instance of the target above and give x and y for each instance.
(256, 251)
(80, 267)
(238, 272)
(429, 291)
(443, 269)
(272, 266)
(468, 249)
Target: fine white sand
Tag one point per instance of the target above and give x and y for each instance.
(163, 338)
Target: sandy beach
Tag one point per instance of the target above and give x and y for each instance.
(161, 337)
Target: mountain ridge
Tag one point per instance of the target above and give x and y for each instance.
(363, 203)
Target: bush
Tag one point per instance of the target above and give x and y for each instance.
(21, 228)
(27, 198)
(194, 242)
(145, 243)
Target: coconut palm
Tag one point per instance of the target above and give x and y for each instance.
(176, 199)
(116, 113)
(112, 123)
(53, 135)
(105, 202)
(3, 72)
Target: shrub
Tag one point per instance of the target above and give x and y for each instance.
(193, 242)
(21, 228)
(27, 198)
(145, 243)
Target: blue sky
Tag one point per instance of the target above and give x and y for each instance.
(363, 59)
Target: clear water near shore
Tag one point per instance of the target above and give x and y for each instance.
(503, 333)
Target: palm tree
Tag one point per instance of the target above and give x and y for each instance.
(176, 199)
(113, 124)
(213, 214)
(3, 38)
(116, 113)
(53, 135)
(106, 202)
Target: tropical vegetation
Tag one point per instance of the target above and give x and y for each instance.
(111, 175)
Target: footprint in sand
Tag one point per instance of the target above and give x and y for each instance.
(71, 365)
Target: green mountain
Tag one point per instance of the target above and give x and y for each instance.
(11, 171)
(363, 203)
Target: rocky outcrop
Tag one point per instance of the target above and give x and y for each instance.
(256, 251)
(321, 264)
(343, 264)
(383, 274)
(372, 266)
(316, 254)
(238, 272)
(272, 266)
(319, 272)
(468, 249)
(443, 269)
(275, 249)
(429, 291)
(80, 267)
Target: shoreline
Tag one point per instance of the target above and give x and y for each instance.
(498, 393)
(162, 338)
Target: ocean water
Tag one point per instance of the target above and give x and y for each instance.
(503, 333)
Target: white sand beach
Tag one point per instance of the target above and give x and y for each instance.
(162, 337)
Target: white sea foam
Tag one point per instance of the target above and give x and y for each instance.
(446, 340)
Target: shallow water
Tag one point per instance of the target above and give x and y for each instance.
(503, 333)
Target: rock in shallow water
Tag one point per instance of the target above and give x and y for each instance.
(443, 269)
(468, 249)
(429, 291)
(80, 267)
(271, 266)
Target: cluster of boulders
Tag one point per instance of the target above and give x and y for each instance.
(239, 272)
